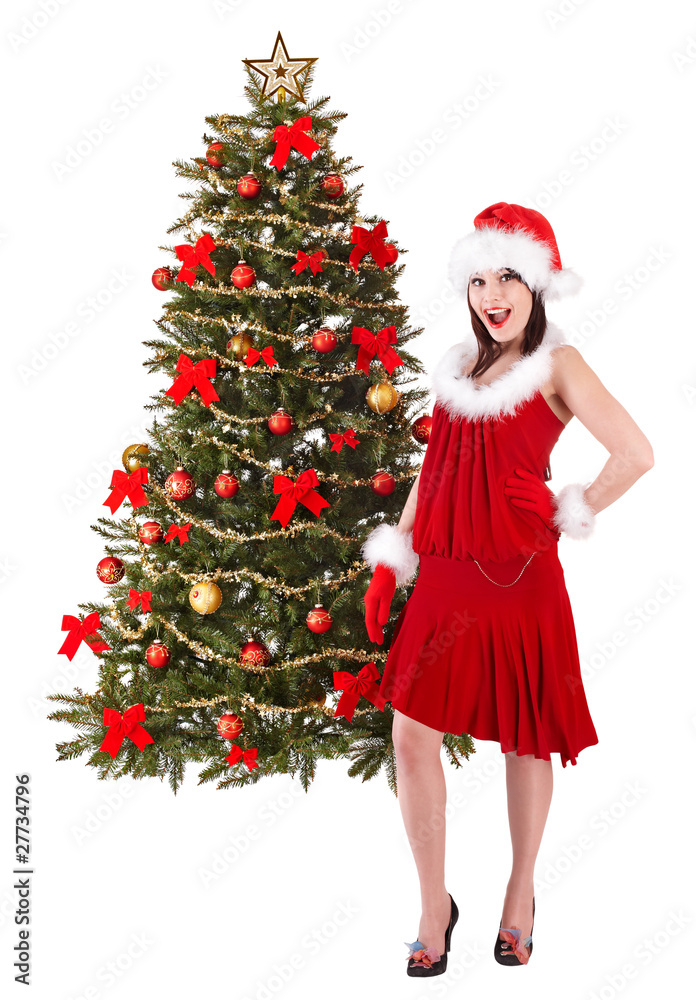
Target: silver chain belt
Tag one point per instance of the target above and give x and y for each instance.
(506, 584)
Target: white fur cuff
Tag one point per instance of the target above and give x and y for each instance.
(393, 548)
(573, 514)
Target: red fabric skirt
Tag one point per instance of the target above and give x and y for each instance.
(500, 663)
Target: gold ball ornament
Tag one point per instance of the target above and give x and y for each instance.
(205, 597)
(134, 457)
(311, 693)
(382, 397)
(239, 345)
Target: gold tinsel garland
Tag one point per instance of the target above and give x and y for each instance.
(246, 701)
(239, 325)
(209, 654)
(244, 574)
(292, 291)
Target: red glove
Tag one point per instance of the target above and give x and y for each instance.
(378, 598)
(529, 491)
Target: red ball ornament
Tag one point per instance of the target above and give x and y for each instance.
(392, 251)
(226, 485)
(280, 422)
(215, 154)
(150, 532)
(180, 485)
(421, 428)
(157, 654)
(110, 569)
(324, 340)
(161, 278)
(319, 620)
(229, 726)
(382, 483)
(249, 186)
(332, 186)
(243, 275)
(254, 654)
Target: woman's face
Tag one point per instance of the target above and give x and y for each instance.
(502, 301)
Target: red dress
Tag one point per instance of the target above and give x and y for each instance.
(498, 660)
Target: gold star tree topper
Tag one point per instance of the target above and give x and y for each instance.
(280, 72)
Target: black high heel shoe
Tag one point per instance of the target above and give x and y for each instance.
(424, 961)
(511, 950)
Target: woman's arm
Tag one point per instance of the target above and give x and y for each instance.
(408, 515)
(630, 452)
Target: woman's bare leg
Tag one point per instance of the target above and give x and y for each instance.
(422, 797)
(529, 782)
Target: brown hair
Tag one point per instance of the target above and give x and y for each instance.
(490, 350)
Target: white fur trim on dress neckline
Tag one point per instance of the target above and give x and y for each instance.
(459, 396)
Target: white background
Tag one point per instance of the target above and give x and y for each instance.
(582, 110)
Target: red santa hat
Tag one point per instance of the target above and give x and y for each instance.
(520, 238)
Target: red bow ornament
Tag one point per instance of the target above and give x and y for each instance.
(180, 532)
(193, 256)
(298, 492)
(294, 136)
(266, 353)
(79, 631)
(353, 686)
(369, 241)
(124, 725)
(304, 259)
(348, 437)
(197, 375)
(142, 597)
(375, 343)
(248, 756)
(127, 485)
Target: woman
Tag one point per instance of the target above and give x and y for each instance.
(486, 643)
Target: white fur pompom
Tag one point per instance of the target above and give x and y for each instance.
(562, 283)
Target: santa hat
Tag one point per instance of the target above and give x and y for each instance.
(515, 237)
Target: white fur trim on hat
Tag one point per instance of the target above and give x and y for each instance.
(393, 548)
(493, 248)
(573, 514)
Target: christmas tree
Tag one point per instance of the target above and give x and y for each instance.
(233, 635)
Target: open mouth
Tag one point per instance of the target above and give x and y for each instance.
(497, 317)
